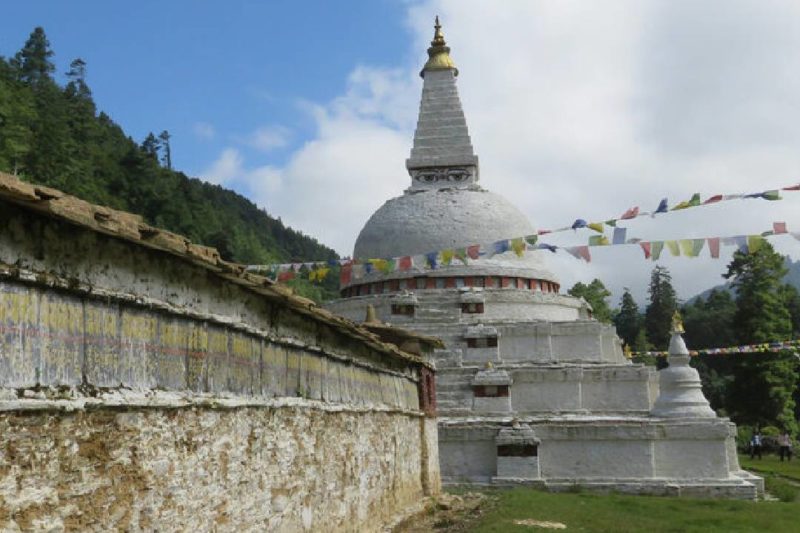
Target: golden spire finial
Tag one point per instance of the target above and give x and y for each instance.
(438, 53)
(677, 323)
(438, 36)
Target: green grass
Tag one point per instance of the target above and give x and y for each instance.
(618, 513)
(771, 464)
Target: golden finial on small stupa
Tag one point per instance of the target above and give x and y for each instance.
(439, 52)
(677, 323)
(626, 350)
(489, 365)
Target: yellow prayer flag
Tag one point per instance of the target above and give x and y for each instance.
(597, 226)
(518, 245)
(673, 248)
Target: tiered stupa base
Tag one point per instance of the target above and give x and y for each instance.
(637, 455)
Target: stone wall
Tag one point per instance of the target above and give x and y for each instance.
(147, 389)
(298, 468)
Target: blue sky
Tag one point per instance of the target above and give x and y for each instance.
(577, 109)
(233, 66)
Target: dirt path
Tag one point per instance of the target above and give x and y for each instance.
(449, 513)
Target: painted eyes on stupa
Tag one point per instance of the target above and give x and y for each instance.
(453, 175)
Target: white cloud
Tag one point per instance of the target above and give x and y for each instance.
(226, 168)
(204, 131)
(269, 138)
(576, 109)
(229, 168)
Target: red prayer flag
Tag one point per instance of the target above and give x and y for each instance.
(543, 231)
(646, 248)
(633, 212)
(404, 263)
(779, 227)
(345, 274)
(713, 247)
(474, 251)
(714, 199)
(285, 276)
(792, 188)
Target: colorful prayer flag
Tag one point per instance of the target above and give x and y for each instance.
(633, 212)
(285, 276)
(714, 199)
(596, 226)
(673, 248)
(580, 252)
(518, 245)
(662, 207)
(474, 251)
(404, 263)
(792, 188)
(779, 228)
(713, 247)
(345, 275)
(598, 240)
(692, 202)
(619, 235)
(646, 249)
(432, 259)
(579, 223)
(447, 256)
(655, 248)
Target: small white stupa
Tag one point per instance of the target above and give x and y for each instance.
(681, 392)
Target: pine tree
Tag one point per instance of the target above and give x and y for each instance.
(764, 383)
(164, 138)
(663, 303)
(596, 294)
(150, 146)
(761, 313)
(33, 63)
(709, 322)
(629, 321)
(17, 113)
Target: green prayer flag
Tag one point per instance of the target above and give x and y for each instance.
(598, 240)
(655, 249)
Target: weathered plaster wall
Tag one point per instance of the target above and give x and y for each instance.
(141, 391)
(301, 468)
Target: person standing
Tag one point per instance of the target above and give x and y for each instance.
(755, 445)
(785, 446)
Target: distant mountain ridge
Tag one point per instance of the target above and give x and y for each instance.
(792, 278)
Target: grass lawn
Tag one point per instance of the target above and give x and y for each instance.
(771, 464)
(618, 513)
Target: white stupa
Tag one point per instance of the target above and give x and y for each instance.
(530, 388)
